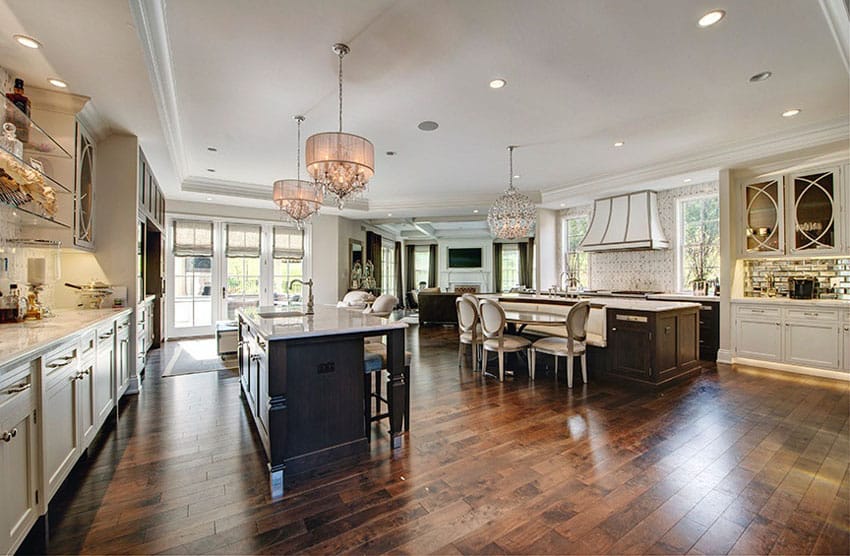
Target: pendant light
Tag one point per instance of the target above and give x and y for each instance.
(342, 163)
(299, 199)
(513, 215)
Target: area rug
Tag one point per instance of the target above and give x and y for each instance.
(198, 356)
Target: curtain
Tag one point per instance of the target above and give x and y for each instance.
(242, 240)
(373, 255)
(523, 264)
(530, 263)
(432, 266)
(288, 243)
(497, 267)
(193, 238)
(410, 269)
(399, 284)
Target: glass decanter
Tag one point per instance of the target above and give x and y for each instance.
(9, 142)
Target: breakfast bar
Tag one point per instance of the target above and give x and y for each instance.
(302, 377)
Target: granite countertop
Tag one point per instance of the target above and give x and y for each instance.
(21, 339)
(648, 305)
(840, 303)
(327, 320)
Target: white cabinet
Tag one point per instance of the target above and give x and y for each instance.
(759, 338)
(18, 457)
(845, 335)
(763, 211)
(812, 344)
(104, 373)
(61, 430)
(86, 413)
(123, 357)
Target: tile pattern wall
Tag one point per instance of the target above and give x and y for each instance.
(831, 273)
(642, 270)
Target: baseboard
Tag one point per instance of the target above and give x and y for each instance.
(786, 368)
(724, 356)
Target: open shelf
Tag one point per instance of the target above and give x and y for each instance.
(29, 216)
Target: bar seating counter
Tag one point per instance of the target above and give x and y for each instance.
(302, 379)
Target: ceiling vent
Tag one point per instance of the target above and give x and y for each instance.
(625, 223)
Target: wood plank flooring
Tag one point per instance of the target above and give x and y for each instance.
(736, 461)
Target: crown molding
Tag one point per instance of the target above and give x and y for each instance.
(241, 190)
(93, 121)
(149, 19)
(725, 156)
(838, 20)
(441, 202)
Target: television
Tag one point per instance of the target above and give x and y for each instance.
(466, 257)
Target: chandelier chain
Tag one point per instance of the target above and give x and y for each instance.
(341, 54)
(511, 167)
(299, 119)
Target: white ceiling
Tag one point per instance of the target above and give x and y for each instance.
(581, 74)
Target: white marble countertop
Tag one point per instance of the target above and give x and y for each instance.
(327, 320)
(19, 340)
(840, 303)
(648, 305)
(683, 297)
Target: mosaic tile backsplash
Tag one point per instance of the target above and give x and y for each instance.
(833, 275)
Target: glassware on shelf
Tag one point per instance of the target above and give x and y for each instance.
(10, 142)
(19, 112)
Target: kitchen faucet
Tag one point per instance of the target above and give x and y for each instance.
(309, 284)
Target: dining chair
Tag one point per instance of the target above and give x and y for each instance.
(575, 344)
(383, 306)
(468, 329)
(495, 340)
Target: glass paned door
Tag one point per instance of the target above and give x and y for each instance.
(813, 211)
(242, 284)
(763, 206)
(193, 288)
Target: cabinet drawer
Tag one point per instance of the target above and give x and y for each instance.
(757, 311)
(59, 362)
(811, 313)
(106, 337)
(88, 343)
(17, 387)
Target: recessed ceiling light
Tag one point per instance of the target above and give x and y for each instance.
(711, 18)
(761, 76)
(619, 143)
(791, 113)
(516, 176)
(209, 198)
(212, 149)
(428, 125)
(210, 169)
(563, 204)
(29, 42)
(498, 83)
(389, 214)
(474, 211)
(391, 153)
(687, 180)
(57, 83)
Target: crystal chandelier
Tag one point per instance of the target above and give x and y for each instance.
(341, 162)
(513, 215)
(299, 199)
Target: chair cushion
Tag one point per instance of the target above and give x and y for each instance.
(511, 343)
(466, 337)
(372, 362)
(558, 346)
(381, 351)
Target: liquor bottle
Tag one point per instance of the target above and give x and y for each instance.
(19, 117)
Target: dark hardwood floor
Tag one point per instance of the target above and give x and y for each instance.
(735, 461)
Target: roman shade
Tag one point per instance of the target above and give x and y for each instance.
(242, 240)
(288, 243)
(193, 238)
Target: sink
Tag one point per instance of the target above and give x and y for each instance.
(280, 314)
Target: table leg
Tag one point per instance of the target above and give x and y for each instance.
(396, 384)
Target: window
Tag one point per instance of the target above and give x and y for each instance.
(242, 249)
(288, 259)
(192, 247)
(576, 263)
(510, 266)
(388, 270)
(421, 264)
(698, 240)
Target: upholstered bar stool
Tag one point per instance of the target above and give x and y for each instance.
(374, 363)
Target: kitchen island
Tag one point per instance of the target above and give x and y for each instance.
(643, 342)
(302, 378)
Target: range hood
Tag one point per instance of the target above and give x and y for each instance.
(625, 223)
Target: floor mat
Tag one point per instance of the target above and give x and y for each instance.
(198, 356)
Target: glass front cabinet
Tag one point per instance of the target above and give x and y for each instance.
(796, 214)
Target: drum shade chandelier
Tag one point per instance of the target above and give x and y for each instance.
(513, 215)
(341, 162)
(299, 199)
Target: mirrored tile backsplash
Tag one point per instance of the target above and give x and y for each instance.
(833, 275)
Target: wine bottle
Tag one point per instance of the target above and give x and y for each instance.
(19, 117)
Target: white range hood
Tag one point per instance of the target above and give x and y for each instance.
(625, 223)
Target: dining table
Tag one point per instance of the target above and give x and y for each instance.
(518, 320)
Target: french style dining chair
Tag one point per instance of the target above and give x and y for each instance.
(495, 340)
(468, 329)
(574, 345)
(383, 306)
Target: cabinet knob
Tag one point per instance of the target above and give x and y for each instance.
(613, 330)
(7, 436)
(777, 324)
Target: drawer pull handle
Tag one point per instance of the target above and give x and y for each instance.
(105, 336)
(7, 436)
(64, 361)
(810, 314)
(17, 389)
(706, 308)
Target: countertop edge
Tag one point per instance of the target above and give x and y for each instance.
(839, 303)
(260, 329)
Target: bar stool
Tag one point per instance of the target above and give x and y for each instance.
(374, 362)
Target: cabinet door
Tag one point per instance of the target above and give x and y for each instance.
(262, 365)
(86, 412)
(627, 344)
(122, 360)
(84, 190)
(61, 431)
(104, 378)
(812, 344)
(759, 339)
(18, 455)
(813, 210)
(763, 217)
(845, 332)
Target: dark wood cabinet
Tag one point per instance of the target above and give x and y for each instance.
(709, 330)
(652, 348)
